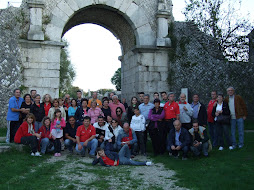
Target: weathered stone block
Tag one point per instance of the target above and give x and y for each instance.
(65, 8)
(58, 22)
(82, 3)
(125, 5)
(72, 4)
(60, 14)
(53, 32)
(132, 9)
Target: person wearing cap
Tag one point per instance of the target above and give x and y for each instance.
(156, 128)
(172, 111)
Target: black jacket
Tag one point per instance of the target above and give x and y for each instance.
(80, 113)
(225, 109)
(202, 115)
(38, 112)
(184, 138)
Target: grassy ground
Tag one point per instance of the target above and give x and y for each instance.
(221, 170)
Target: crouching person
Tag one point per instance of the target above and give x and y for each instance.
(178, 140)
(113, 159)
(26, 134)
(85, 137)
(200, 139)
(70, 134)
(127, 136)
(46, 141)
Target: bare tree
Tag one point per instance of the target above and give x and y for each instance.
(222, 20)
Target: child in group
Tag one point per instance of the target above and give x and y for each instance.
(56, 133)
(138, 125)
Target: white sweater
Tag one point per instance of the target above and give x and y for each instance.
(109, 135)
(138, 123)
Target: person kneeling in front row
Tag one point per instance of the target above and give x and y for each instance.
(85, 137)
(200, 139)
(178, 140)
(113, 159)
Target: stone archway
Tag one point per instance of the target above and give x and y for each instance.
(140, 25)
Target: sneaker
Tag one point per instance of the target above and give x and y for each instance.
(170, 154)
(7, 141)
(221, 148)
(56, 154)
(148, 163)
(32, 154)
(59, 154)
(240, 146)
(184, 158)
(230, 148)
(37, 154)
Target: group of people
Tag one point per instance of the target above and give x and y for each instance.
(105, 127)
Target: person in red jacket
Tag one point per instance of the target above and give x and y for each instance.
(46, 141)
(26, 134)
(210, 119)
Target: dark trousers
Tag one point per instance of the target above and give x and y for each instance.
(223, 130)
(141, 142)
(57, 145)
(31, 141)
(14, 126)
(185, 150)
(169, 124)
(157, 136)
(187, 126)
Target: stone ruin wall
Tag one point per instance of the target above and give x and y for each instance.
(14, 24)
(197, 64)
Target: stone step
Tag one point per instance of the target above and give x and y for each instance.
(2, 139)
(7, 146)
(4, 148)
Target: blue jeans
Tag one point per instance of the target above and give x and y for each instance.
(46, 146)
(240, 125)
(125, 157)
(91, 144)
(37, 126)
(213, 133)
(69, 144)
(197, 150)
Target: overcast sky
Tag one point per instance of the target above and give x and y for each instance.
(94, 51)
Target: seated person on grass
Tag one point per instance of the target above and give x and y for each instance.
(85, 137)
(127, 136)
(113, 159)
(101, 126)
(26, 134)
(200, 139)
(70, 134)
(178, 140)
(46, 142)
